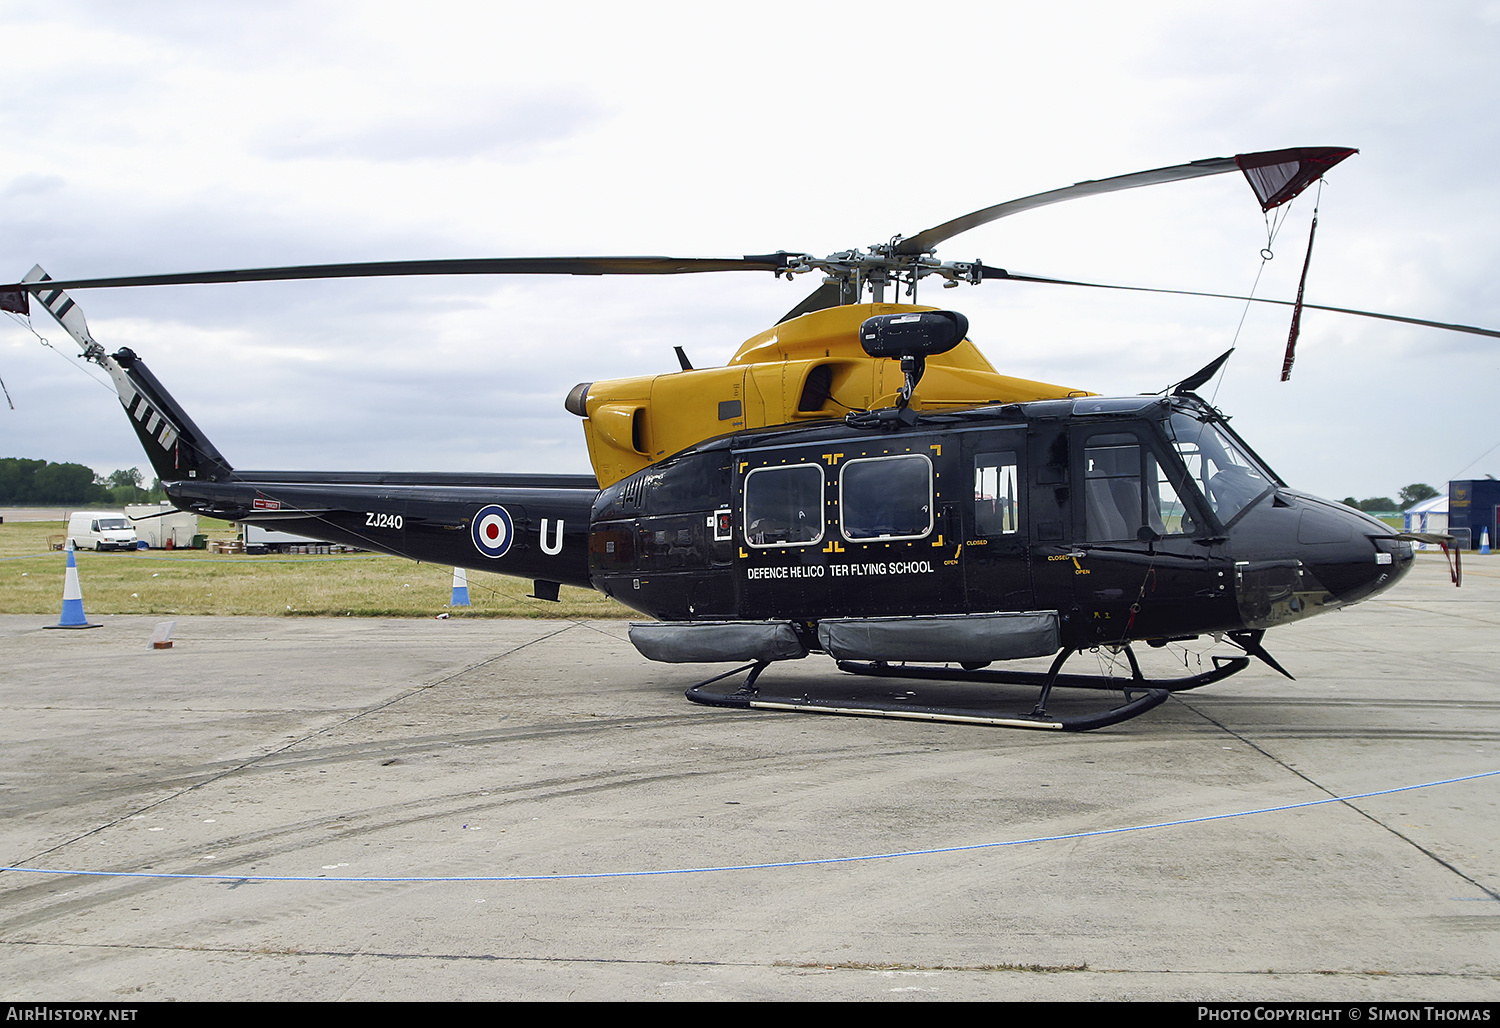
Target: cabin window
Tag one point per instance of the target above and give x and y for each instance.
(886, 498)
(1126, 490)
(784, 506)
(1228, 479)
(997, 500)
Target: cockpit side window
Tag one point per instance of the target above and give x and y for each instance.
(1127, 489)
(1228, 479)
(1170, 510)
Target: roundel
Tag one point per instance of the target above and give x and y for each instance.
(493, 531)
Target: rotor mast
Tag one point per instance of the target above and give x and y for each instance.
(884, 264)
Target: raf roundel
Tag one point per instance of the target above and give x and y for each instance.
(493, 531)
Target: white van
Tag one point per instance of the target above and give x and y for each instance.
(101, 530)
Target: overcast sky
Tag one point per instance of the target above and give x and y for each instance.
(157, 137)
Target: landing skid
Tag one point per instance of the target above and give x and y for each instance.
(1141, 694)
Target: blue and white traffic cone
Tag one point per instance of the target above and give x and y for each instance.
(72, 608)
(460, 588)
(1484, 541)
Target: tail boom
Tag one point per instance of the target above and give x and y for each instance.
(528, 527)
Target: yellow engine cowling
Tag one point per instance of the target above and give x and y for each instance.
(805, 369)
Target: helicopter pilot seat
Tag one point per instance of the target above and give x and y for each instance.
(1113, 509)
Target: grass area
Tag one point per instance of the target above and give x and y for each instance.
(198, 582)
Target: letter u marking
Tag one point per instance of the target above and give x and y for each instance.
(557, 541)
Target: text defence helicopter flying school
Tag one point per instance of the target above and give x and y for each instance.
(858, 481)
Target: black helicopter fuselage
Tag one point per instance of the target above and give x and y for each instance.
(893, 540)
(1140, 518)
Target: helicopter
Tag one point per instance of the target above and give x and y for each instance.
(858, 481)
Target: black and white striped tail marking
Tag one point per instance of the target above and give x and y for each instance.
(157, 425)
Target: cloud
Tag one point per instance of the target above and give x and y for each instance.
(502, 128)
(161, 137)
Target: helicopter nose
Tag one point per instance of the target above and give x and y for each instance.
(1353, 555)
(1304, 555)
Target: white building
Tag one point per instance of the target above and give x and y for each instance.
(1428, 516)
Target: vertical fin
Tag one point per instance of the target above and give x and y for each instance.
(176, 447)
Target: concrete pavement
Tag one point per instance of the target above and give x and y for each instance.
(364, 749)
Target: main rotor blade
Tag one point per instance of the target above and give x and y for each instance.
(999, 273)
(929, 238)
(478, 266)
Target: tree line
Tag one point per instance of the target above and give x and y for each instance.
(1414, 493)
(26, 481)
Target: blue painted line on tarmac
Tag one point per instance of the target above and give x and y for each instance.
(770, 865)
